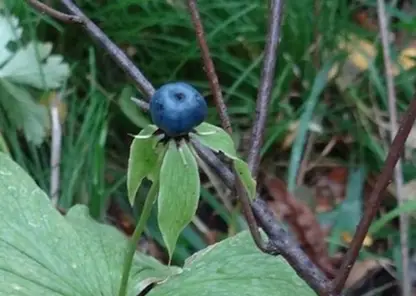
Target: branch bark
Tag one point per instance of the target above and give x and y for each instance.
(398, 173)
(376, 196)
(266, 83)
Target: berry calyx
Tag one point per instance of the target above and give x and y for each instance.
(176, 108)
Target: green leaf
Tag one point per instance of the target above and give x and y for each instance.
(215, 138)
(245, 175)
(43, 253)
(178, 194)
(131, 110)
(24, 112)
(345, 217)
(318, 86)
(142, 160)
(34, 66)
(234, 267)
(10, 31)
(219, 141)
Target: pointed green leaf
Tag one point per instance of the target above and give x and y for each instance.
(245, 175)
(178, 193)
(218, 140)
(234, 267)
(45, 253)
(142, 160)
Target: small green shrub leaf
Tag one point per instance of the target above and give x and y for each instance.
(142, 160)
(234, 267)
(178, 194)
(219, 141)
(43, 253)
(215, 138)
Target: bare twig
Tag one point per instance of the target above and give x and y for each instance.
(225, 121)
(43, 8)
(116, 53)
(376, 196)
(304, 164)
(141, 104)
(279, 240)
(267, 75)
(404, 218)
(248, 211)
(55, 150)
(209, 66)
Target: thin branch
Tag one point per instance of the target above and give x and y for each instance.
(55, 161)
(267, 75)
(116, 53)
(248, 211)
(404, 218)
(225, 121)
(141, 104)
(280, 242)
(63, 17)
(209, 66)
(376, 196)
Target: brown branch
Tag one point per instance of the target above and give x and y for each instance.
(263, 96)
(376, 196)
(63, 17)
(398, 178)
(116, 53)
(280, 242)
(209, 66)
(225, 121)
(141, 104)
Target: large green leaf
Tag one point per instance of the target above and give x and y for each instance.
(142, 160)
(219, 141)
(43, 253)
(234, 267)
(178, 193)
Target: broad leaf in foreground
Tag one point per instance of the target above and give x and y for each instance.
(43, 253)
(218, 140)
(178, 192)
(234, 267)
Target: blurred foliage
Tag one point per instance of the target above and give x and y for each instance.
(159, 37)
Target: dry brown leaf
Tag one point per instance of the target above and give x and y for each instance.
(406, 59)
(302, 221)
(347, 238)
(360, 54)
(362, 268)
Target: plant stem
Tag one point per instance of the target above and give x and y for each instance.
(144, 216)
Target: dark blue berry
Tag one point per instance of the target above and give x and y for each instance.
(176, 108)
